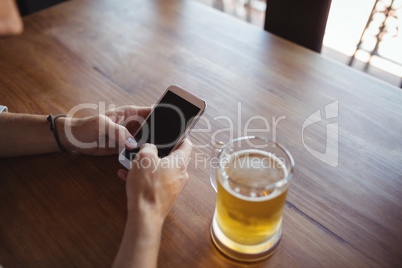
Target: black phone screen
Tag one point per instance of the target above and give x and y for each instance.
(167, 123)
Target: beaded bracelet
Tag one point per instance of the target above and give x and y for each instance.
(51, 119)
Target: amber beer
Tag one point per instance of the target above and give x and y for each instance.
(252, 185)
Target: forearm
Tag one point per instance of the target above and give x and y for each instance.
(23, 134)
(141, 241)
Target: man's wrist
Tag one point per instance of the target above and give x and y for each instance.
(145, 229)
(141, 241)
(145, 219)
(60, 124)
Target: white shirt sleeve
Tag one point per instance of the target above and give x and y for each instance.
(3, 108)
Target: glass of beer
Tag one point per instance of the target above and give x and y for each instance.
(251, 176)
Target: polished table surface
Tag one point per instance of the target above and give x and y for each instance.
(344, 207)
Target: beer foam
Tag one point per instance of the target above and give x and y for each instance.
(256, 169)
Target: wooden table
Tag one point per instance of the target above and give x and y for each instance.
(69, 210)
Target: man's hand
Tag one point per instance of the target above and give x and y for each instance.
(102, 134)
(152, 186)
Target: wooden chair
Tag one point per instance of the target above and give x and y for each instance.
(300, 21)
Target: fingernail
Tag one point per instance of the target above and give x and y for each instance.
(131, 143)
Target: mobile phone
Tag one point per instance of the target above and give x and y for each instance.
(168, 124)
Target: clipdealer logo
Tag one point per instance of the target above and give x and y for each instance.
(330, 156)
(326, 115)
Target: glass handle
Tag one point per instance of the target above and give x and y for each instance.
(215, 163)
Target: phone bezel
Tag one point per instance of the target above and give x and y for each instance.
(186, 95)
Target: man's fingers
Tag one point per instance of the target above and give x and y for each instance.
(122, 136)
(134, 121)
(122, 174)
(130, 110)
(147, 157)
(148, 150)
(143, 111)
(184, 150)
(129, 115)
